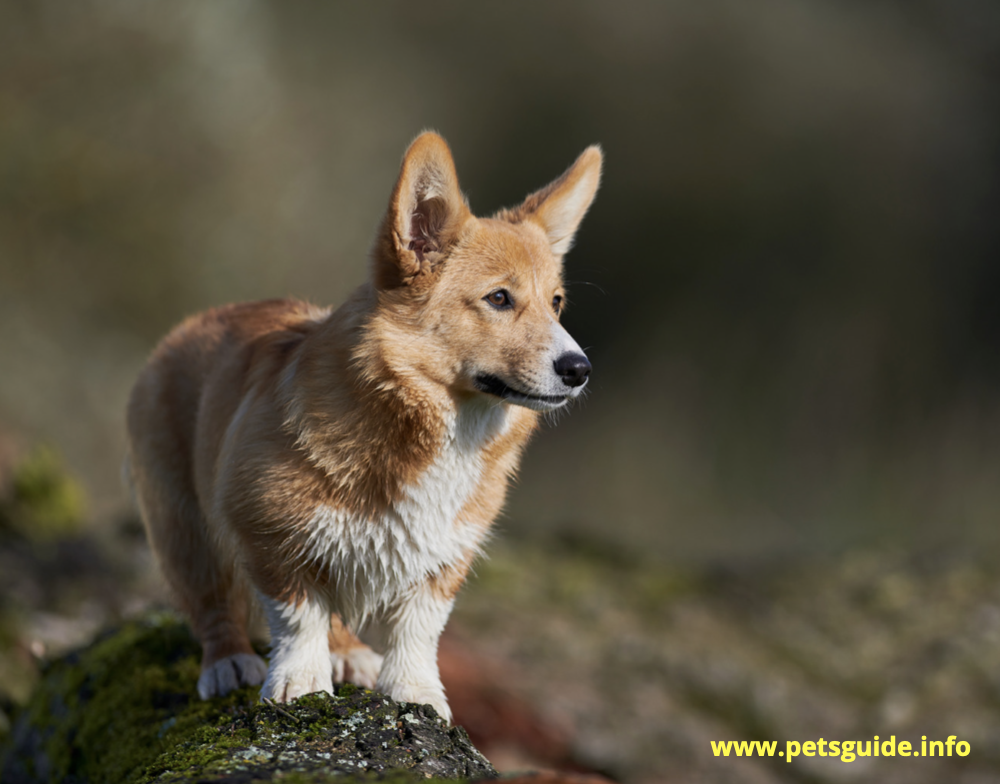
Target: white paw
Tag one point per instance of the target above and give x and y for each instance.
(230, 673)
(359, 666)
(289, 682)
(422, 695)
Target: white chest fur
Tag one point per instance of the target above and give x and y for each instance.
(371, 562)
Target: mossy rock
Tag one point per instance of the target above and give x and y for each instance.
(125, 709)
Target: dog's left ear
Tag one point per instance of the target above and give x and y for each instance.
(425, 213)
(560, 206)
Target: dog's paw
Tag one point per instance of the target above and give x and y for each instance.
(230, 673)
(359, 666)
(288, 683)
(429, 695)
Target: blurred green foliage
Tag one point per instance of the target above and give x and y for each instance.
(43, 502)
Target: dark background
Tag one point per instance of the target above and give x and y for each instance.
(788, 284)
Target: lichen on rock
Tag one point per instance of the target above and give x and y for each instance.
(125, 709)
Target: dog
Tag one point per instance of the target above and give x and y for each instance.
(345, 466)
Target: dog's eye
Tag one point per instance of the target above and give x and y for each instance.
(557, 302)
(500, 299)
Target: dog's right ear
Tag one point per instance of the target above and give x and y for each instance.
(559, 207)
(425, 213)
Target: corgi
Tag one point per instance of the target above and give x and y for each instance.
(345, 466)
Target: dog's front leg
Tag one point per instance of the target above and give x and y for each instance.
(410, 670)
(300, 654)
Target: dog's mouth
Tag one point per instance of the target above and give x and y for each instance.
(493, 385)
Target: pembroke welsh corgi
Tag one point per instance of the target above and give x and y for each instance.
(345, 466)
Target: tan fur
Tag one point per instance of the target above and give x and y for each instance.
(249, 418)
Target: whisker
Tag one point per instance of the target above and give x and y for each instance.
(586, 283)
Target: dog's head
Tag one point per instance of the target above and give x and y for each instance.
(477, 301)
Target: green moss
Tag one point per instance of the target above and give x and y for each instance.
(138, 687)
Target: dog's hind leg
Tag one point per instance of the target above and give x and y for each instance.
(205, 584)
(352, 660)
(228, 660)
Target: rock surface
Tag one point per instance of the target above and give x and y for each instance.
(125, 709)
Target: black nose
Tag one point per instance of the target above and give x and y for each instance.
(573, 369)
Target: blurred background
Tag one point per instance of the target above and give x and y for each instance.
(789, 285)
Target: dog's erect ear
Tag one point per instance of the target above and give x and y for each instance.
(425, 213)
(560, 206)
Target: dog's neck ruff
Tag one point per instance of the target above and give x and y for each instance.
(372, 560)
